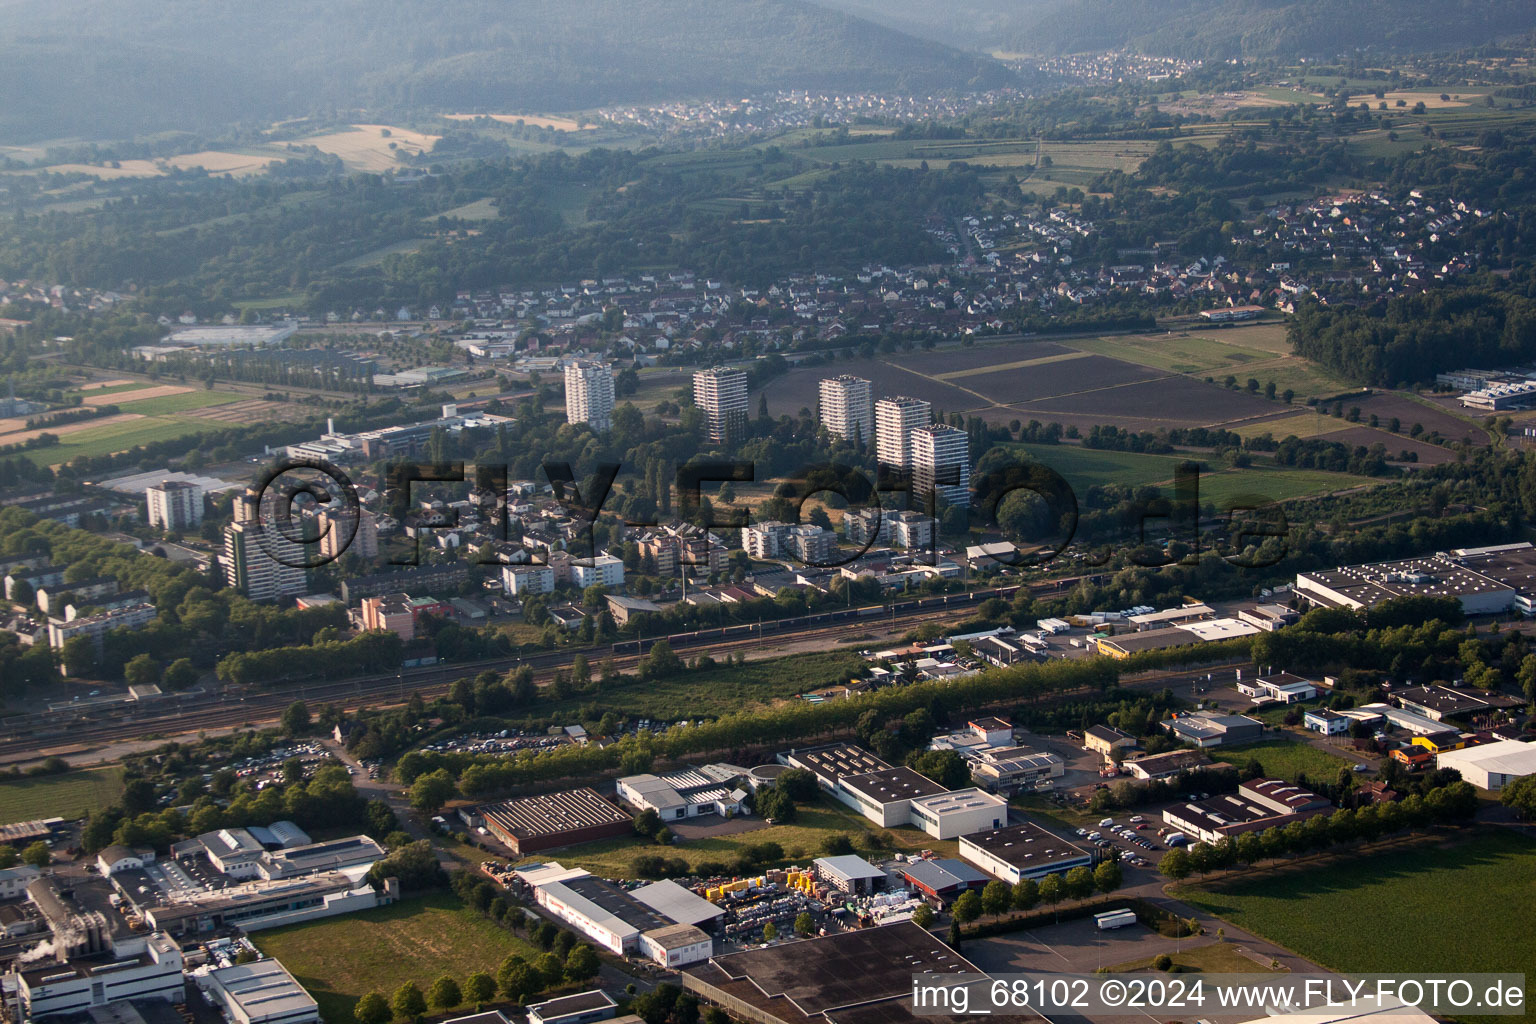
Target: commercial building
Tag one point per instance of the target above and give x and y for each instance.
(895, 420)
(1016, 769)
(721, 392)
(849, 874)
(543, 822)
(250, 569)
(684, 794)
(1329, 723)
(174, 505)
(943, 878)
(1269, 617)
(262, 992)
(1214, 729)
(589, 393)
(1280, 687)
(1258, 804)
(1439, 703)
(1486, 580)
(1016, 852)
(847, 408)
(847, 977)
(947, 815)
(941, 464)
(1491, 766)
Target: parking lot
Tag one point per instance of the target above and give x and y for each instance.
(1074, 947)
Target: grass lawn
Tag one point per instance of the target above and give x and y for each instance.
(1177, 353)
(114, 437)
(1353, 916)
(167, 404)
(1090, 467)
(1285, 760)
(801, 841)
(70, 795)
(1216, 958)
(340, 959)
(725, 688)
(1274, 483)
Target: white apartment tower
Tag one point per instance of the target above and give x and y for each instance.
(941, 464)
(847, 408)
(589, 393)
(174, 504)
(249, 569)
(721, 392)
(895, 420)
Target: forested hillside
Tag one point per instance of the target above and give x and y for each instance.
(110, 68)
(1205, 28)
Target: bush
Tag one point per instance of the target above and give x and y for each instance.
(1162, 962)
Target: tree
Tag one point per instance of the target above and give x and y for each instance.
(550, 969)
(770, 932)
(945, 767)
(141, 670)
(923, 916)
(296, 719)
(1051, 890)
(996, 898)
(967, 908)
(1108, 875)
(444, 994)
(805, 925)
(180, 674)
(8, 856)
(430, 791)
(517, 979)
(79, 656)
(1175, 864)
(1026, 894)
(647, 823)
(371, 1009)
(1162, 962)
(1078, 883)
(479, 988)
(1520, 796)
(581, 964)
(408, 1002)
(38, 855)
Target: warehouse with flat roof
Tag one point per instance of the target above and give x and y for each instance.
(947, 815)
(832, 762)
(548, 820)
(1491, 766)
(259, 993)
(885, 796)
(1022, 851)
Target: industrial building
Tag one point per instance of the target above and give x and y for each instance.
(1329, 723)
(133, 967)
(848, 977)
(885, 796)
(1022, 851)
(943, 878)
(1104, 740)
(259, 993)
(832, 762)
(1486, 580)
(1214, 729)
(1258, 804)
(620, 921)
(1163, 766)
(1491, 766)
(580, 1008)
(564, 818)
(1438, 703)
(710, 789)
(1016, 769)
(680, 905)
(1407, 721)
(947, 815)
(849, 873)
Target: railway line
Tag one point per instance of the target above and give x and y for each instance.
(179, 717)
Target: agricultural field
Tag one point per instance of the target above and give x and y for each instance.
(725, 688)
(1176, 353)
(1089, 467)
(70, 795)
(1343, 916)
(340, 959)
(1228, 488)
(168, 401)
(371, 147)
(801, 841)
(1285, 760)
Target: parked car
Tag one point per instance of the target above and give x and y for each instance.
(1106, 823)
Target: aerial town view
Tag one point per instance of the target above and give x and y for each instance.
(767, 512)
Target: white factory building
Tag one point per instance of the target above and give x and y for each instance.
(138, 967)
(259, 993)
(948, 815)
(1491, 766)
